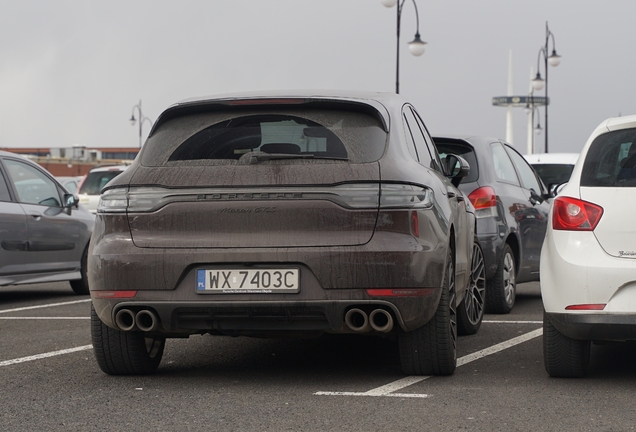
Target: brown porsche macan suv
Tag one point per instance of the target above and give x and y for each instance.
(276, 215)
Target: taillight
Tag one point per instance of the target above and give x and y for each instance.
(357, 196)
(571, 214)
(484, 200)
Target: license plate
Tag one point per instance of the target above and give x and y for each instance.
(252, 281)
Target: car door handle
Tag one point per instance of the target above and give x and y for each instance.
(36, 216)
(451, 194)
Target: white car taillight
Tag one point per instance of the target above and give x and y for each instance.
(572, 214)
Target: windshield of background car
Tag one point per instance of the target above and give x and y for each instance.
(96, 180)
(554, 174)
(611, 160)
(467, 152)
(232, 137)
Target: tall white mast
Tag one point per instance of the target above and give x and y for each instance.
(509, 129)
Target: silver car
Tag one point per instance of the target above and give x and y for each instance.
(44, 233)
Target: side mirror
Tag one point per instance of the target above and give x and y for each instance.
(456, 168)
(535, 198)
(70, 200)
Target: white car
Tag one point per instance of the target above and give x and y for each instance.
(553, 168)
(588, 259)
(91, 186)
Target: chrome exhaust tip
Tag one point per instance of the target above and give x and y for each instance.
(125, 320)
(146, 320)
(357, 320)
(381, 321)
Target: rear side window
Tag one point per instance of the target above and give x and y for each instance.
(528, 177)
(96, 180)
(611, 160)
(554, 174)
(235, 137)
(503, 166)
(445, 148)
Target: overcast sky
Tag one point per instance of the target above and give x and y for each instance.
(71, 71)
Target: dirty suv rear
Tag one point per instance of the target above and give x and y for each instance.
(263, 217)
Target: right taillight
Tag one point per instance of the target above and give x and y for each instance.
(571, 214)
(485, 201)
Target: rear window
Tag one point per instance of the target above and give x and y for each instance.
(611, 160)
(250, 136)
(445, 148)
(554, 174)
(96, 180)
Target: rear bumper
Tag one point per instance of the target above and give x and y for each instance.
(601, 327)
(332, 281)
(275, 317)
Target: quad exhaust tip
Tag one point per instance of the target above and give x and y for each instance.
(144, 320)
(381, 321)
(378, 320)
(125, 320)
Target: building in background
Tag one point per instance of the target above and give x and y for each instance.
(76, 160)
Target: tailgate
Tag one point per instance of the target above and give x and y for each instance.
(256, 206)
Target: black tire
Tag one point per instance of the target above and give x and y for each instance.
(432, 348)
(124, 353)
(501, 290)
(470, 312)
(80, 286)
(564, 357)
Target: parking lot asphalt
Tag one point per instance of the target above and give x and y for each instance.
(49, 379)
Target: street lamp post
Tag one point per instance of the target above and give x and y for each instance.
(142, 119)
(538, 83)
(416, 46)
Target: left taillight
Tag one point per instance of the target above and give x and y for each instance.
(572, 214)
(113, 201)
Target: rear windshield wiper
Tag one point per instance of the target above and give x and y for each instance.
(256, 158)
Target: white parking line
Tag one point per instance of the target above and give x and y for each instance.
(388, 389)
(499, 347)
(44, 355)
(512, 322)
(385, 390)
(44, 306)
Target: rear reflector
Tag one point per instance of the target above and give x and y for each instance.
(400, 292)
(586, 307)
(415, 224)
(113, 294)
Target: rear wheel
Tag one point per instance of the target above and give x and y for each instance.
(502, 288)
(470, 311)
(124, 353)
(563, 357)
(80, 286)
(432, 348)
